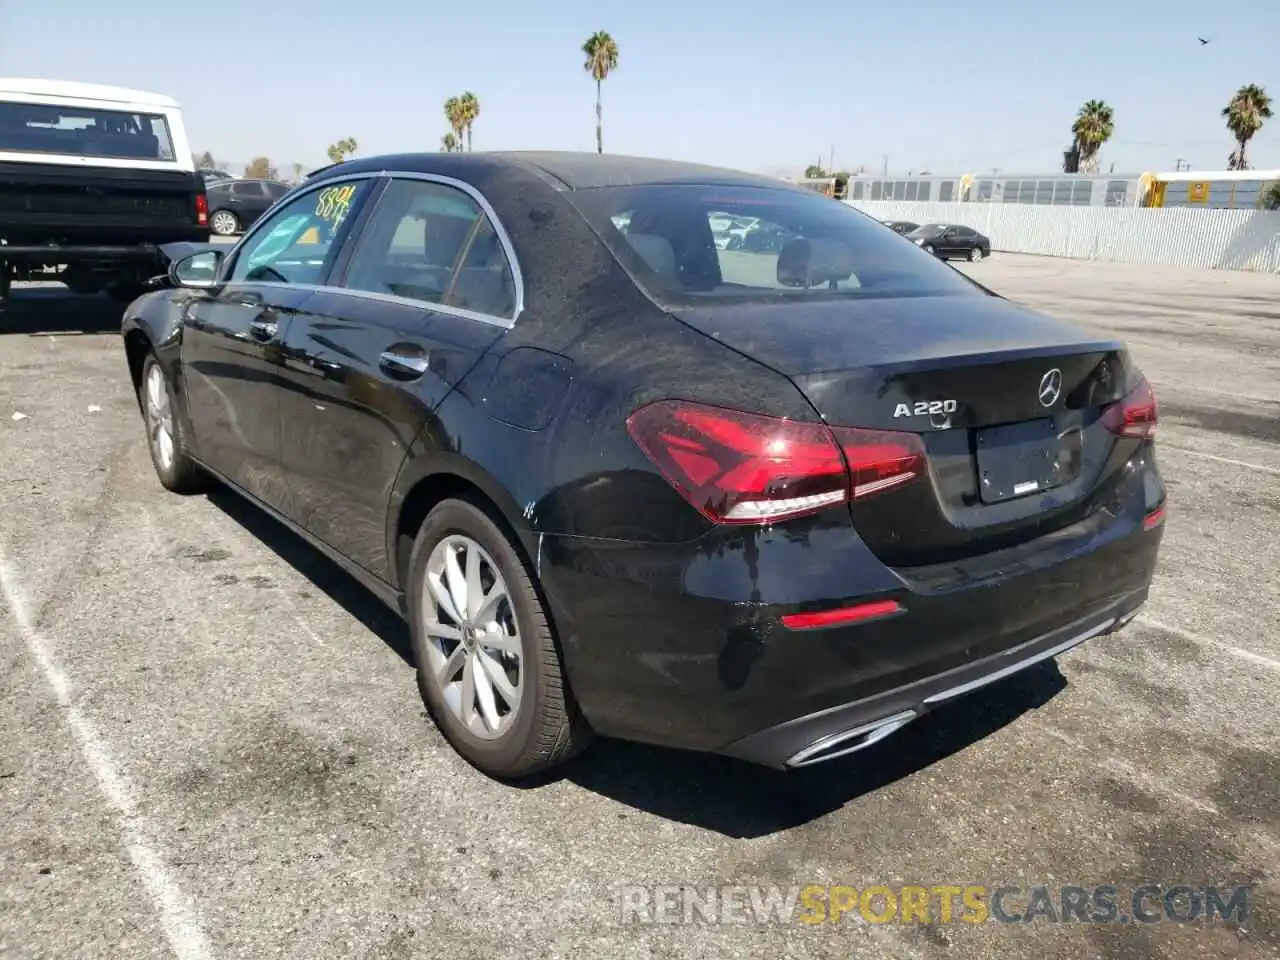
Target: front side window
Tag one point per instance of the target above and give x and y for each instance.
(793, 245)
(84, 132)
(432, 242)
(295, 244)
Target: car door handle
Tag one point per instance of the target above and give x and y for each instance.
(404, 366)
(263, 329)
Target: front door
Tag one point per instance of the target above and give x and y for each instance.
(232, 336)
(426, 289)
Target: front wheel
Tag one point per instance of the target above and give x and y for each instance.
(224, 223)
(929, 250)
(166, 436)
(488, 666)
(975, 255)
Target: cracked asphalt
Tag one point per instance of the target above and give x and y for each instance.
(212, 746)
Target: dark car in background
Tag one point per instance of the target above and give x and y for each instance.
(770, 503)
(235, 205)
(901, 226)
(951, 241)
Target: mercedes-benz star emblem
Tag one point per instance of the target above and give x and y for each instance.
(1050, 387)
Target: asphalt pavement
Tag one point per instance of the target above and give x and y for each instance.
(212, 746)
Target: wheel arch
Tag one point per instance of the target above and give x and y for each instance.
(422, 485)
(217, 210)
(156, 327)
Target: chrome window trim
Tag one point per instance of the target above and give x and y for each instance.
(517, 276)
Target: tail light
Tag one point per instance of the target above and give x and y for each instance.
(202, 210)
(1135, 414)
(747, 468)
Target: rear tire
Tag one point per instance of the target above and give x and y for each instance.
(166, 434)
(224, 223)
(975, 255)
(505, 643)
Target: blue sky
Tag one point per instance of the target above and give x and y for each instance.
(944, 86)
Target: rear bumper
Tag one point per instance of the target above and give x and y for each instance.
(78, 251)
(850, 727)
(683, 645)
(124, 245)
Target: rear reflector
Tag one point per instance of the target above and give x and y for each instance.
(1135, 415)
(841, 616)
(747, 468)
(1153, 519)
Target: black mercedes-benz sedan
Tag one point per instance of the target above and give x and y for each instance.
(770, 503)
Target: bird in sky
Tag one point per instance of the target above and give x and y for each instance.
(1202, 40)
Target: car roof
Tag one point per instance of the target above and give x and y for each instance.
(565, 170)
(584, 171)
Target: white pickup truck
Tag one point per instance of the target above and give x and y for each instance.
(93, 180)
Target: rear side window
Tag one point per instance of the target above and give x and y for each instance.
(431, 242)
(693, 243)
(84, 132)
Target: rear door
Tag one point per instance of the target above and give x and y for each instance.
(249, 200)
(426, 287)
(233, 335)
(967, 240)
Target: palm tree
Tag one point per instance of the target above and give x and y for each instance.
(453, 113)
(1093, 127)
(344, 148)
(469, 109)
(1244, 114)
(448, 143)
(602, 60)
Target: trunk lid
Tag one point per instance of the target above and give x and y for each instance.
(1006, 403)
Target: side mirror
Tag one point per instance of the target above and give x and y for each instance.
(196, 269)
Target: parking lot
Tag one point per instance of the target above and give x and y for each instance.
(212, 745)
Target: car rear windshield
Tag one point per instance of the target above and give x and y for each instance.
(84, 132)
(694, 243)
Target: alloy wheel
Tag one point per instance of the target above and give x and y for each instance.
(159, 416)
(473, 639)
(223, 223)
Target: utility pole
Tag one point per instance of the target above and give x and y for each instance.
(831, 163)
(886, 164)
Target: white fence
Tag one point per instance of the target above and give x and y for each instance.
(1216, 239)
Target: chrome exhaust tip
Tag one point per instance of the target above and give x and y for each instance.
(850, 741)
